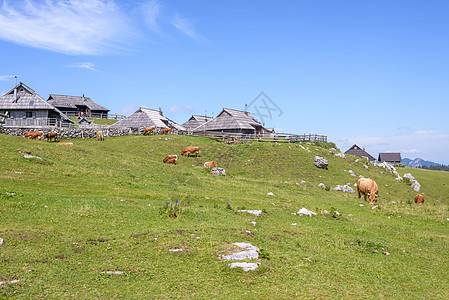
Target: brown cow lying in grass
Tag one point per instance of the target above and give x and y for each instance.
(367, 186)
(148, 130)
(33, 135)
(52, 135)
(210, 164)
(171, 159)
(100, 136)
(419, 199)
(188, 150)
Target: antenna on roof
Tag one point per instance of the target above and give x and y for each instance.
(205, 112)
(246, 107)
(160, 110)
(15, 89)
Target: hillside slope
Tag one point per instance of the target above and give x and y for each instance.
(98, 207)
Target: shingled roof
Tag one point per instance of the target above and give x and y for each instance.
(146, 117)
(64, 101)
(231, 119)
(196, 121)
(390, 157)
(26, 99)
(359, 152)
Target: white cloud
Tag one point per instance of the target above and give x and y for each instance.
(185, 26)
(151, 10)
(126, 111)
(6, 77)
(175, 109)
(72, 27)
(85, 65)
(427, 132)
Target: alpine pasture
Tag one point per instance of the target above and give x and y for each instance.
(110, 220)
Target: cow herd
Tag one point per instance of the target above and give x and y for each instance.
(365, 186)
(173, 159)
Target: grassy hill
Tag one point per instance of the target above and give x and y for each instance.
(96, 207)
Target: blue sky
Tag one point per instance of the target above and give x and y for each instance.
(372, 73)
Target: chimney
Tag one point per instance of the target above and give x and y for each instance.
(246, 109)
(160, 111)
(84, 99)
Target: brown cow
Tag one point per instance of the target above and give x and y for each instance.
(148, 130)
(367, 186)
(167, 130)
(100, 136)
(171, 159)
(210, 164)
(52, 135)
(33, 135)
(168, 157)
(419, 199)
(188, 150)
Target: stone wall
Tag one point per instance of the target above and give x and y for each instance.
(69, 133)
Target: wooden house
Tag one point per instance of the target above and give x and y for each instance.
(233, 121)
(26, 108)
(359, 152)
(196, 121)
(391, 158)
(74, 106)
(146, 117)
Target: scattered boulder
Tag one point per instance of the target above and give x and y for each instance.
(218, 171)
(113, 272)
(322, 185)
(344, 188)
(305, 212)
(257, 213)
(245, 266)
(270, 194)
(250, 253)
(321, 162)
(1, 241)
(31, 156)
(341, 155)
(415, 184)
(351, 172)
(332, 149)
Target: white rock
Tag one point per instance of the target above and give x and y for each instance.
(250, 253)
(113, 272)
(270, 194)
(341, 155)
(257, 213)
(245, 266)
(322, 185)
(305, 212)
(1, 241)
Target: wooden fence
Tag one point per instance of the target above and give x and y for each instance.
(265, 137)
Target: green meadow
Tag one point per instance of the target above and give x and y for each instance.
(110, 220)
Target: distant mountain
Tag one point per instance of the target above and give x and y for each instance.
(417, 162)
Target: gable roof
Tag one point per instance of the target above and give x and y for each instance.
(359, 152)
(196, 121)
(27, 99)
(231, 119)
(390, 157)
(65, 101)
(146, 117)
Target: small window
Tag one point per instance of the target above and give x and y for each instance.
(29, 114)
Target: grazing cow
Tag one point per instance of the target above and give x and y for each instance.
(171, 159)
(367, 186)
(33, 135)
(167, 130)
(210, 164)
(100, 136)
(52, 135)
(419, 199)
(148, 130)
(188, 150)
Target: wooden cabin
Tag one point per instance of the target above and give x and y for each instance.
(78, 106)
(359, 152)
(391, 158)
(147, 117)
(27, 109)
(233, 121)
(196, 121)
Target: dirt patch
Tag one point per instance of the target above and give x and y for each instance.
(60, 256)
(140, 234)
(79, 250)
(38, 261)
